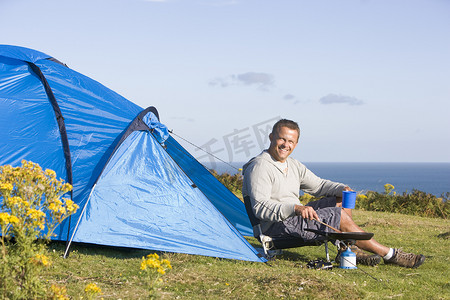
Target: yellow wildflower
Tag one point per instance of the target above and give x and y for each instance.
(50, 173)
(31, 165)
(166, 264)
(35, 214)
(8, 187)
(67, 187)
(57, 208)
(143, 264)
(13, 201)
(92, 288)
(53, 207)
(59, 292)
(17, 201)
(7, 168)
(4, 218)
(152, 262)
(71, 206)
(388, 188)
(153, 256)
(13, 219)
(41, 259)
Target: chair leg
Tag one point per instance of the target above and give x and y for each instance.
(326, 251)
(269, 248)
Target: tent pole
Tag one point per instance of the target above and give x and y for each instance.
(69, 242)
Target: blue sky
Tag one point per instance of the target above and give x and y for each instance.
(365, 80)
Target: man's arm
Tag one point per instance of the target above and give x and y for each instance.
(307, 212)
(316, 186)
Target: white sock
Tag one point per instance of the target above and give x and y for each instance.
(389, 255)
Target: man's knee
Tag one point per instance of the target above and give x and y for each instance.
(346, 219)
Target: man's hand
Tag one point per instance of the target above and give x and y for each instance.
(339, 198)
(307, 212)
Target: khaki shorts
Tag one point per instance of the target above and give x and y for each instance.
(294, 226)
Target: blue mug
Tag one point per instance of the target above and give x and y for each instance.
(348, 199)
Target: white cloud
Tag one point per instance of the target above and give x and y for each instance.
(288, 97)
(263, 81)
(340, 99)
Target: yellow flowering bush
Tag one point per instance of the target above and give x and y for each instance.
(58, 292)
(31, 208)
(92, 290)
(153, 267)
(152, 262)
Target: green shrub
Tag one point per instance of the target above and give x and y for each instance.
(231, 182)
(415, 203)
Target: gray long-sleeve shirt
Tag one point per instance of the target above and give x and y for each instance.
(274, 190)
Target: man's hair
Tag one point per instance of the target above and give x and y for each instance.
(286, 123)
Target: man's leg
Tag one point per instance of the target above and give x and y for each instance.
(396, 256)
(328, 213)
(348, 225)
(339, 204)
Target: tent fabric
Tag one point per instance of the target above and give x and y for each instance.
(143, 189)
(218, 194)
(142, 198)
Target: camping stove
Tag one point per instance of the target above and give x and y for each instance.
(348, 258)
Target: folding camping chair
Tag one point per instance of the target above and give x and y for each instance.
(273, 245)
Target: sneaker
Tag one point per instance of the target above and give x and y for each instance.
(361, 256)
(408, 260)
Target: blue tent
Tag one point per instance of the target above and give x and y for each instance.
(135, 185)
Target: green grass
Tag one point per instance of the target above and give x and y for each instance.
(116, 271)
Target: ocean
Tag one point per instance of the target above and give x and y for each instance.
(432, 178)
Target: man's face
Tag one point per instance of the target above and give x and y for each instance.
(282, 143)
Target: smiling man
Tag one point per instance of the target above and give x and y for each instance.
(272, 182)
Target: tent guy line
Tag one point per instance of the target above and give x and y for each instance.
(200, 148)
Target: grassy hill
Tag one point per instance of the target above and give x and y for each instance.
(117, 271)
